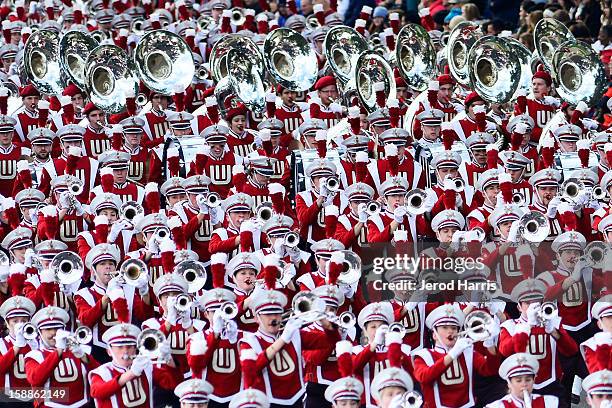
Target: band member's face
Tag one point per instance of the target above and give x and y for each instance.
(67, 145)
(395, 200)
(94, 117)
(546, 194)
(30, 102)
(194, 405)
(445, 235)
(567, 147)
(387, 394)
(526, 139)
(261, 179)
(517, 384)
(322, 262)
(445, 93)
(539, 88)
(363, 121)
(175, 198)
(120, 175)
(480, 156)
(431, 132)
(163, 300)
(133, 139)
(159, 102)
(217, 149)
(245, 279)
(491, 194)
(523, 306)
(6, 138)
(453, 172)
(370, 329)
(402, 93)
(471, 108)
(181, 132)
(237, 217)
(110, 214)
(269, 323)
(288, 97)
(309, 141)
(569, 257)
(328, 94)
(121, 355)
(19, 253)
(354, 205)
(379, 129)
(48, 336)
(10, 323)
(346, 404)
(515, 174)
(238, 123)
(78, 101)
(597, 400)
(504, 228)
(275, 140)
(446, 335)
(41, 151)
(605, 324)
(319, 45)
(104, 271)
(193, 199)
(6, 64)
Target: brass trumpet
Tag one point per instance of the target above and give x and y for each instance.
(595, 253)
(373, 208)
(345, 320)
(332, 184)
(229, 310)
(411, 399)
(129, 210)
(291, 239)
(82, 335)
(194, 273)
(183, 303)
(476, 326)
(149, 343)
(547, 311)
(67, 267)
(30, 332)
(415, 201)
(264, 212)
(131, 270)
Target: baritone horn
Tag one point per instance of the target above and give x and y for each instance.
(75, 47)
(290, 60)
(372, 68)
(534, 227)
(67, 267)
(131, 270)
(41, 59)
(460, 41)
(164, 62)
(194, 273)
(415, 56)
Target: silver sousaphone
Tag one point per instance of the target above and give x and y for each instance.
(373, 68)
(219, 54)
(42, 62)
(290, 60)
(75, 47)
(460, 41)
(494, 70)
(415, 56)
(164, 62)
(548, 35)
(342, 47)
(110, 78)
(524, 57)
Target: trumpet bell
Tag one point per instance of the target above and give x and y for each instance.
(68, 267)
(494, 71)
(238, 17)
(183, 303)
(131, 270)
(164, 62)
(373, 208)
(99, 36)
(42, 62)
(571, 188)
(75, 47)
(110, 78)
(308, 306)
(410, 399)
(290, 60)
(579, 73)
(130, 209)
(548, 35)
(83, 335)
(595, 253)
(149, 341)
(372, 68)
(415, 201)
(213, 200)
(264, 211)
(194, 273)
(415, 56)
(346, 320)
(292, 239)
(534, 226)
(547, 310)
(351, 270)
(398, 328)
(229, 310)
(460, 41)
(30, 332)
(477, 325)
(75, 186)
(342, 47)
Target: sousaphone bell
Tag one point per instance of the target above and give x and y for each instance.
(548, 35)
(415, 56)
(75, 47)
(460, 41)
(342, 47)
(41, 60)
(372, 68)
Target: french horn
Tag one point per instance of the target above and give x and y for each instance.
(460, 41)
(342, 47)
(578, 73)
(74, 49)
(494, 70)
(164, 62)
(67, 267)
(548, 35)
(42, 62)
(415, 56)
(110, 78)
(373, 68)
(290, 60)
(194, 273)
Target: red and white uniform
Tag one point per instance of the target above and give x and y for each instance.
(240, 145)
(197, 233)
(26, 121)
(311, 217)
(541, 113)
(95, 141)
(320, 111)
(463, 126)
(408, 169)
(506, 267)
(470, 172)
(450, 111)
(140, 159)
(261, 194)
(291, 116)
(321, 365)
(9, 156)
(219, 170)
(12, 367)
(345, 232)
(128, 191)
(413, 321)
(595, 354)
(177, 337)
(553, 223)
(537, 401)
(86, 171)
(155, 128)
(379, 227)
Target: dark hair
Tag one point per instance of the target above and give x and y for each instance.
(580, 31)
(607, 29)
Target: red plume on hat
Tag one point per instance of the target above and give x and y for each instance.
(217, 269)
(584, 150)
(179, 99)
(176, 228)
(365, 13)
(270, 270)
(521, 102)
(239, 178)
(23, 172)
(604, 355)
(448, 138)
(354, 120)
(505, 185)
(10, 212)
(212, 110)
(379, 90)
(321, 139)
(277, 195)
(101, 229)
(117, 137)
(4, 95)
(248, 365)
(49, 217)
(167, 249)
(246, 236)
(344, 353)
(107, 180)
(16, 279)
(271, 105)
(152, 197)
(432, 94)
(43, 113)
(547, 151)
(449, 198)
(331, 220)
(578, 113)
(120, 307)
(391, 155)
(492, 156)
(394, 112)
(608, 152)
(335, 267)
(393, 340)
(174, 166)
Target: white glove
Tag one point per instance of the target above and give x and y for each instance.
(33, 216)
(78, 350)
(581, 199)
(142, 284)
(231, 331)
(247, 226)
(291, 327)
(347, 290)
(398, 214)
(493, 328)
(496, 306)
(153, 246)
(578, 270)
(78, 207)
(20, 341)
(512, 234)
(424, 12)
(448, 184)
(400, 236)
(29, 257)
(379, 336)
(64, 199)
(60, 339)
(140, 364)
(47, 276)
(165, 352)
(201, 200)
(218, 322)
(171, 312)
(532, 314)
(336, 107)
(362, 215)
(116, 229)
(186, 320)
(552, 101)
(554, 322)
(295, 255)
(289, 273)
(323, 191)
(460, 346)
(551, 211)
(115, 294)
(590, 124)
(216, 215)
(114, 283)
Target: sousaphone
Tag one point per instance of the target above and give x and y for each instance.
(342, 47)
(42, 62)
(164, 62)
(373, 68)
(218, 54)
(415, 56)
(110, 78)
(578, 73)
(524, 57)
(290, 60)
(494, 70)
(75, 47)
(460, 41)
(548, 35)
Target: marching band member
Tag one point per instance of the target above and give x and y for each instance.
(10, 154)
(540, 106)
(520, 128)
(519, 371)
(596, 350)
(345, 392)
(169, 158)
(243, 270)
(251, 398)
(354, 161)
(545, 189)
(598, 388)
(95, 138)
(194, 393)
(446, 169)
(41, 141)
(488, 186)
(140, 156)
(389, 384)
(439, 96)
(324, 106)
(155, 121)
(115, 164)
(289, 112)
(270, 133)
(352, 230)
(239, 140)
(323, 251)
(540, 338)
(515, 164)
(241, 233)
(474, 120)
(307, 132)
(382, 226)
(60, 363)
(129, 379)
(28, 200)
(477, 144)
(446, 371)
(173, 191)
(27, 117)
